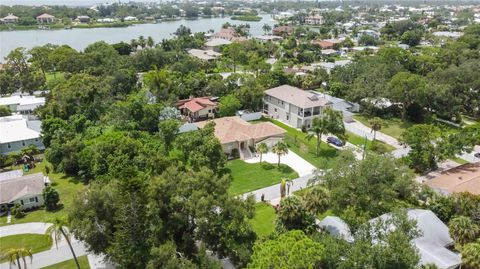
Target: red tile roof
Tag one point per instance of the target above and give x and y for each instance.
(195, 104)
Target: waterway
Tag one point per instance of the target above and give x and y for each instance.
(81, 38)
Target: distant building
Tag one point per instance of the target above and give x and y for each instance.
(130, 18)
(293, 106)
(283, 30)
(268, 38)
(229, 34)
(10, 18)
(314, 20)
(83, 19)
(215, 44)
(204, 55)
(198, 108)
(454, 35)
(46, 18)
(25, 190)
(23, 104)
(18, 132)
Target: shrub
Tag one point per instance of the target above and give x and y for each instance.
(17, 211)
(50, 198)
(235, 154)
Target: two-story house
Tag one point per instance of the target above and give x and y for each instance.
(294, 106)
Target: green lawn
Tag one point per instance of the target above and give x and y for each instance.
(298, 143)
(66, 186)
(360, 142)
(55, 76)
(70, 264)
(263, 223)
(252, 176)
(393, 127)
(34, 242)
(459, 160)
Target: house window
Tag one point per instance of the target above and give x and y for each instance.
(31, 200)
(23, 143)
(288, 117)
(9, 146)
(282, 103)
(36, 139)
(275, 109)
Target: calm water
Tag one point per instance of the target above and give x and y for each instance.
(81, 38)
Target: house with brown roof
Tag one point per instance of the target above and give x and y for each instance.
(46, 18)
(294, 106)
(235, 133)
(25, 190)
(10, 18)
(324, 44)
(198, 108)
(463, 178)
(229, 34)
(204, 55)
(283, 30)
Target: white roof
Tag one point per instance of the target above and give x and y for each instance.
(15, 128)
(337, 227)
(22, 100)
(433, 240)
(296, 96)
(214, 42)
(204, 54)
(11, 174)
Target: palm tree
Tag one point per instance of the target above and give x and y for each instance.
(58, 230)
(317, 200)
(134, 44)
(142, 42)
(150, 42)
(266, 28)
(330, 121)
(262, 148)
(463, 230)
(285, 187)
(16, 254)
(471, 255)
(280, 149)
(376, 126)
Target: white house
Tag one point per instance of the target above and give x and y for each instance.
(23, 104)
(293, 106)
(17, 132)
(25, 190)
(314, 20)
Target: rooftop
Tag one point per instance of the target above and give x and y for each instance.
(21, 100)
(206, 55)
(464, 178)
(15, 188)
(196, 104)
(215, 42)
(297, 97)
(235, 129)
(16, 128)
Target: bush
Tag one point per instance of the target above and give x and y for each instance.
(50, 198)
(17, 211)
(235, 154)
(378, 147)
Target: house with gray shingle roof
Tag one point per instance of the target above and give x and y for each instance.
(25, 190)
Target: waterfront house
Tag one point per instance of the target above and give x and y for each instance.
(229, 34)
(283, 30)
(18, 132)
(23, 104)
(25, 190)
(198, 108)
(83, 19)
(216, 43)
(46, 18)
(10, 18)
(236, 134)
(293, 106)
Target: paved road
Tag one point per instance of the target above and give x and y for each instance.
(273, 192)
(53, 255)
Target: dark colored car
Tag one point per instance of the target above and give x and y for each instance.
(477, 155)
(335, 141)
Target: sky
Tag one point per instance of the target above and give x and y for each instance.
(63, 2)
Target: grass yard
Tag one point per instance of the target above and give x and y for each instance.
(35, 242)
(298, 143)
(70, 264)
(459, 160)
(263, 223)
(360, 142)
(252, 176)
(66, 186)
(393, 127)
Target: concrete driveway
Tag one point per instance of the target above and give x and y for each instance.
(291, 159)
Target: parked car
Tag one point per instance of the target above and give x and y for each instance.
(335, 141)
(477, 155)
